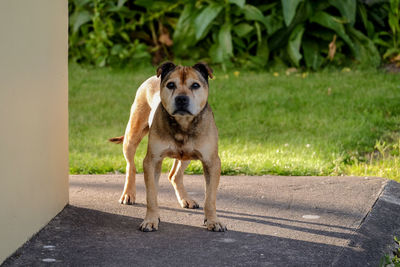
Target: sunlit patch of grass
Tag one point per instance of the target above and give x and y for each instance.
(324, 123)
(388, 167)
(384, 162)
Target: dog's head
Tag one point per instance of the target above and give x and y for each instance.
(184, 90)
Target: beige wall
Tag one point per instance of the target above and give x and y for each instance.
(33, 117)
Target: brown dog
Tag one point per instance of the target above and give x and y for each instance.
(173, 108)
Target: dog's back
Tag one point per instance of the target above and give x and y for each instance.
(147, 98)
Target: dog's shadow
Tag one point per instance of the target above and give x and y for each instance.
(270, 221)
(83, 236)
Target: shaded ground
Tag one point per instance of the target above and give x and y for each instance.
(287, 221)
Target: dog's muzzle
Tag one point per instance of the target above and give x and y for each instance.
(181, 105)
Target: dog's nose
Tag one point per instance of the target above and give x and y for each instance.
(181, 101)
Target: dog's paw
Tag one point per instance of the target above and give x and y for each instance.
(149, 224)
(215, 226)
(188, 203)
(127, 198)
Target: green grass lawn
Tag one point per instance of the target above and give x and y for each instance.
(325, 123)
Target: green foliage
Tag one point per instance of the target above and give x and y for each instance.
(224, 30)
(392, 261)
(244, 33)
(281, 25)
(293, 48)
(289, 10)
(118, 32)
(390, 40)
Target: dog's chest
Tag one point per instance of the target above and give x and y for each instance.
(182, 148)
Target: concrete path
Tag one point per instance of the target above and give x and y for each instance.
(272, 221)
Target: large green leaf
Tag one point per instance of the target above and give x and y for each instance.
(121, 3)
(368, 25)
(280, 38)
(242, 29)
(222, 49)
(289, 9)
(312, 55)
(366, 52)
(262, 55)
(273, 23)
(293, 47)
(334, 24)
(79, 18)
(347, 8)
(225, 40)
(239, 3)
(184, 35)
(252, 13)
(391, 52)
(394, 20)
(203, 21)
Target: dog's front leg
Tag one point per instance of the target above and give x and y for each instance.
(176, 178)
(212, 172)
(152, 170)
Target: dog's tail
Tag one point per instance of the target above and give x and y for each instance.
(117, 140)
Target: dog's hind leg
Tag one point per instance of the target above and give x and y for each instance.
(136, 129)
(176, 178)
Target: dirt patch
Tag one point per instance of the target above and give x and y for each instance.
(392, 67)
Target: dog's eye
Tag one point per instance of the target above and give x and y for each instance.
(171, 85)
(195, 86)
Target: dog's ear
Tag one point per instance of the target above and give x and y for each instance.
(164, 69)
(204, 69)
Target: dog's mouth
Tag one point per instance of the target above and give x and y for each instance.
(182, 112)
